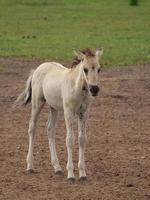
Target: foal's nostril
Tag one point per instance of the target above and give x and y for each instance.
(94, 89)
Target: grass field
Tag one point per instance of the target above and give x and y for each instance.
(51, 29)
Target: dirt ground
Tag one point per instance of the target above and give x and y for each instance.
(118, 140)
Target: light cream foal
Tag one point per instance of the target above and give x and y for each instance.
(67, 89)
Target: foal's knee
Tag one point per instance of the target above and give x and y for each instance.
(50, 131)
(70, 140)
(82, 140)
(31, 127)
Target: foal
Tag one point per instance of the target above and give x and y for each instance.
(67, 89)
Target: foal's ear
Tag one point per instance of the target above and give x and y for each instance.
(79, 54)
(99, 52)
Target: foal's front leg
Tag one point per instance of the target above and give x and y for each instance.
(82, 141)
(69, 142)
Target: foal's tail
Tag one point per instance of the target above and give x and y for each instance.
(25, 97)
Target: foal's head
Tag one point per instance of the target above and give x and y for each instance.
(91, 68)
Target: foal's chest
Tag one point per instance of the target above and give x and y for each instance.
(82, 105)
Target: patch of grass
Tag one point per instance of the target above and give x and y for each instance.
(133, 2)
(51, 29)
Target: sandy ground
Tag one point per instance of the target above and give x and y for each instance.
(118, 142)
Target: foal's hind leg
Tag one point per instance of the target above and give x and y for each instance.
(51, 137)
(37, 105)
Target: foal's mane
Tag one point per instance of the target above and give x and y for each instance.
(76, 60)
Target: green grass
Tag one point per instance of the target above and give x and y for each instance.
(51, 29)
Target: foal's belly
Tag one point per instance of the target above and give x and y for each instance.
(53, 100)
(52, 93)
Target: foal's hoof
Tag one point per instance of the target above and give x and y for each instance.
(59, 173)
(71, 180)
(83, 179)
(30, 172)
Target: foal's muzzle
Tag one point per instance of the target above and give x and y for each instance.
(94, 89)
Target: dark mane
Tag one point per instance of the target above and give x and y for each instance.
(88, 52)
(76, 60)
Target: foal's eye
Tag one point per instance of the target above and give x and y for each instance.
(99, 70)
(86, 70)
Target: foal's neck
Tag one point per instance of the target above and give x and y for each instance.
(80, 83)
